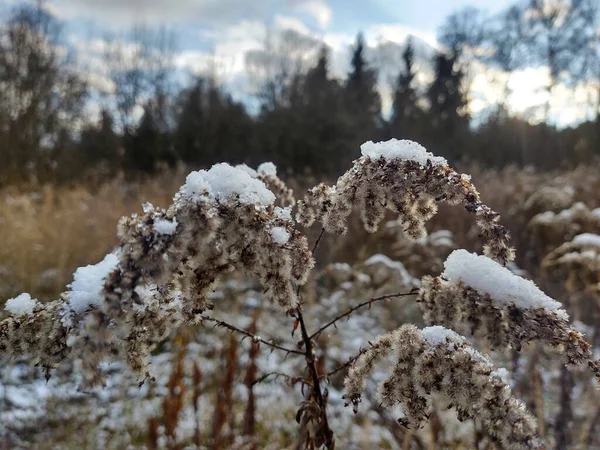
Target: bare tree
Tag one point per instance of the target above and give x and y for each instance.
(140, 65)
(41, 96)
(274, 69)
(558, 37)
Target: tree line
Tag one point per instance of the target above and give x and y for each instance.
(307, 121)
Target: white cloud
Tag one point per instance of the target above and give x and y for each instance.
(399, 33)
(319, 10)
(119, 13)
(291, 23)
(528, 95)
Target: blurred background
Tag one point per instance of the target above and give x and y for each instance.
(94, 90)
(107, 104)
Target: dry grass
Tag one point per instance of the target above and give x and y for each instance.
(48, 232)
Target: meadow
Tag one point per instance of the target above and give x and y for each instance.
(220, 383)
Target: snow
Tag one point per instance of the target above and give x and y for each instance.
(502, 374)
(382, 259)
(397, 266)
(280, 235)
(21, 304)
(545, 217)
(164, 226)
(249, 170)
(437, 335)
(267, 168)
(342, 267)
(587, 239)
(486, 275)
(400, 149)
(223, 182)
(283, 213)
(88, 283)
(596, 212)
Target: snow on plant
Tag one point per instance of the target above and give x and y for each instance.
(477, 294)
(403, 177)
(437, 360)
(577, 262)
(225, 220)
(550, 229)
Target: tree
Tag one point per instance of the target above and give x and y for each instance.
(41, 99)
(406, 113)
(559, 32)
(447, 114)
(209, 125)
(140, 66)
(324, 136)
(363, 102)
(101, 146)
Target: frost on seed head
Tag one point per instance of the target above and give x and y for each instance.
(162, 273)
(88, 284)
(437, 360)
(21, 305)
(400, 149)
(224, 183)
(402, 177)
(477, 295)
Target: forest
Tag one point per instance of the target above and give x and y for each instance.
(148, 116)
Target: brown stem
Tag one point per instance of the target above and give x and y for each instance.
(356, 307)
(312, 368)
(255, 338)
(309, 354)
(289, 378)
(316, 244)
(347, 363)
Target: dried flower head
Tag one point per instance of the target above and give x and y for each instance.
(576, 262)
(437, 360)
(167, 262)
(403, 177)
(479, 295)
(549, 198)
(548, 230)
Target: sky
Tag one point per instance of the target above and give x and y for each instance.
(226, 35)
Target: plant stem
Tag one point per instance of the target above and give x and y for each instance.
(357, 307)
(255, 338)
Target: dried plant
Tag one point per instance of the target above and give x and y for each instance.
(224, 225)
(548, 229)
(477, 294)
(577, 262)
(437, 360)
(410, 182)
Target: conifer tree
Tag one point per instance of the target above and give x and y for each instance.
(363, 102)
(448, 118)
(406, 113)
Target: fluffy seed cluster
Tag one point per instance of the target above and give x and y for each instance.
(421, 256)
(436, 360)
(501, 307)
(402, 177)
(548, 230)
(221, 220)
(577, 262)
